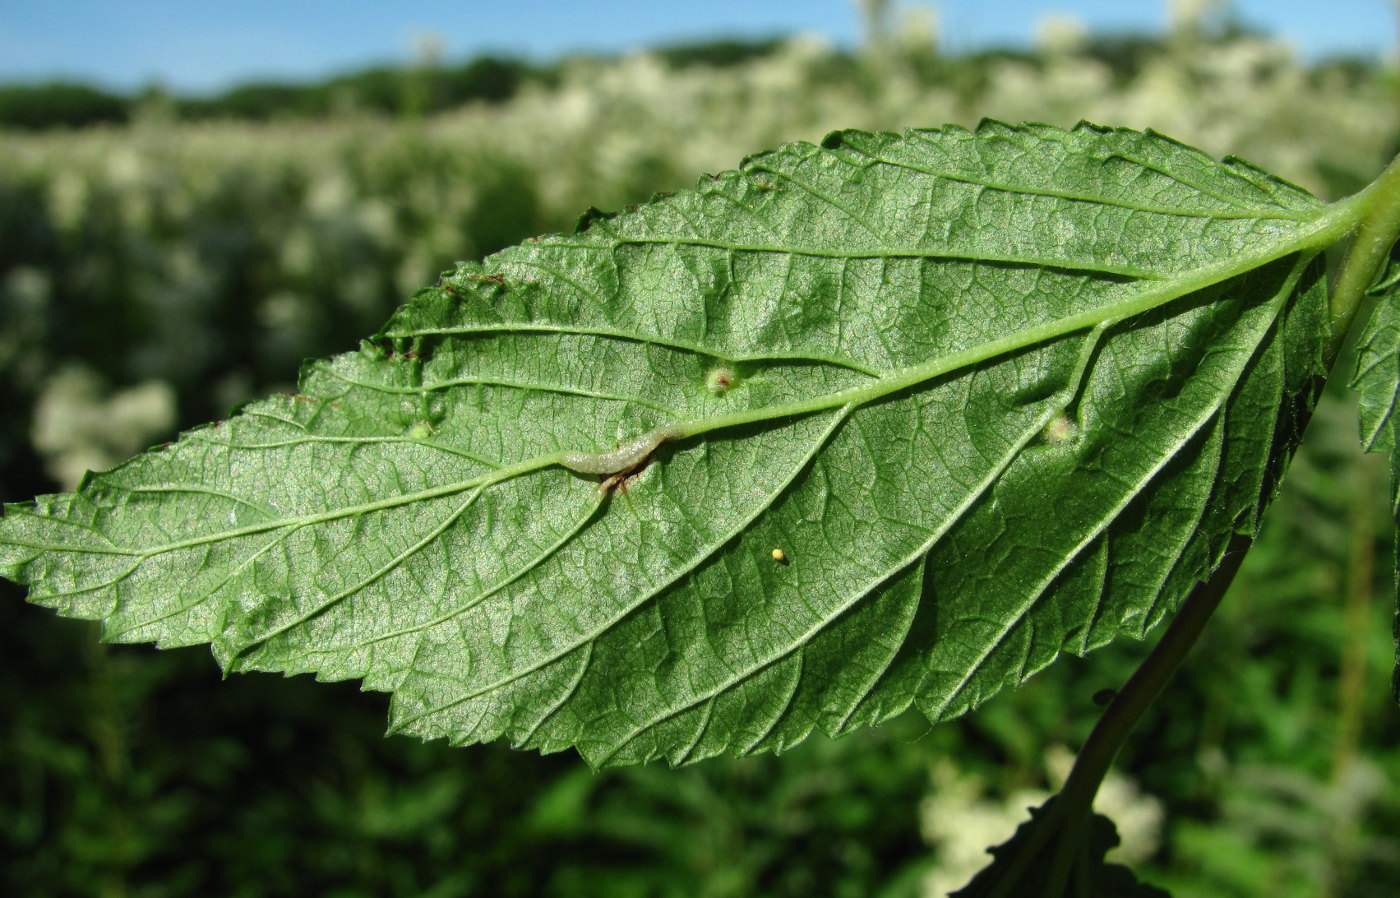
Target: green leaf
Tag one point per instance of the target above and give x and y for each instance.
(1377, 377)
(990, 395)
(1377, 383)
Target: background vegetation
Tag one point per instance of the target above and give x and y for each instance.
(164, 259)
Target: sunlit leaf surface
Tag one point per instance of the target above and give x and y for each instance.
(926, 410)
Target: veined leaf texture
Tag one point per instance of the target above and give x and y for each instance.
(891, 421)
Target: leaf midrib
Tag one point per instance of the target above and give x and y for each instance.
(1334, 221)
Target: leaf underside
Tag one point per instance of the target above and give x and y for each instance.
(1377, 383)
(904, 361)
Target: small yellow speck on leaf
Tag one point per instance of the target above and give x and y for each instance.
(780, 556)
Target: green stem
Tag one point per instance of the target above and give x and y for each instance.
(1379, 207)
(1076, 799)
(1356, 590)
(1352, 674)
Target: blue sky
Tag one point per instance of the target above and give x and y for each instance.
(197, 46)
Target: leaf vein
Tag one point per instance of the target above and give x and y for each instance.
(655, 590)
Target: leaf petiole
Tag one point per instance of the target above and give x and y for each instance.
(1379, 218)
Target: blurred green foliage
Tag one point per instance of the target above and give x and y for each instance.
(213, 255)
(59, 105)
